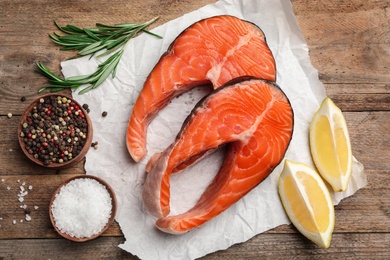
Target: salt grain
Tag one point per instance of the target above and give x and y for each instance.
(14, 221)
(28, 218)
(22, 193)
(82, 208)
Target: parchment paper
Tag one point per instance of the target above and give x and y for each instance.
(257, 212)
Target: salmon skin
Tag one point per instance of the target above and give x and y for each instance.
(254, 118)
(213, 50)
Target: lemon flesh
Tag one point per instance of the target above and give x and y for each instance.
(307, 202)
(330, 145)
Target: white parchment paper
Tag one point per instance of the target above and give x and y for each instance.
(257, 212)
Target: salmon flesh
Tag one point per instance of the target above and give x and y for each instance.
(254, 118)
(214, 50)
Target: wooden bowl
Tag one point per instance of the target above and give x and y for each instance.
(56, 165)
(110, 220)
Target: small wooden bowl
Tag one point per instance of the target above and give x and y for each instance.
(56, 165)
(110, 220)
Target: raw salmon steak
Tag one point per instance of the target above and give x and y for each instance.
(254, 118)
(214, 50)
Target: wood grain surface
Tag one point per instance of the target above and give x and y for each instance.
(349, 45)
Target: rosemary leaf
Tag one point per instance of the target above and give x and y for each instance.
(85, 90)
(109, 51)
(116, 43)
(77, 78)
(46, 72)
(56, 88)
(153, 34)
(93, 48)
(68, 48)
(73, 28)
(60, 41)
(77, 38)
(91, 34)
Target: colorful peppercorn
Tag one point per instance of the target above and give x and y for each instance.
(52, 132)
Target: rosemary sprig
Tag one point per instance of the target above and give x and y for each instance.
(89, 41)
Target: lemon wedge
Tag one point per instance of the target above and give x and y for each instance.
(307, 202)
(330, 145)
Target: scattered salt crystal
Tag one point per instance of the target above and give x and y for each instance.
(24, 183)
(30, 187)
(21, 194)
(28, 218)
(14, 221)
(8, 187)
(82, 208)
(21, 221)
(2, 180)
(36, 207)
(18, 181)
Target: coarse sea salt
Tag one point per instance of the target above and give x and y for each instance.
(82, 208)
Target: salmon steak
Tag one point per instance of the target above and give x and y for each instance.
(254, 119)
(212, 51)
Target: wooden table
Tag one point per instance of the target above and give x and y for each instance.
(349, 44)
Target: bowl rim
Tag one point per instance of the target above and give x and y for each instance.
(113, 208)
(74, 160)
